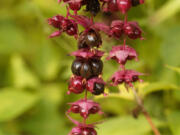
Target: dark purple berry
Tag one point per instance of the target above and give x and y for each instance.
(86, 71)
(82, 41)
(93, 6)
(76, 67)
(135, 2)
(98, 88)
(75, 108)
(97, 66)
(93, 38)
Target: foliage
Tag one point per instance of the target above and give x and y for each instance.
(34, 71)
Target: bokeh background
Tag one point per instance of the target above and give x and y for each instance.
(34, 71)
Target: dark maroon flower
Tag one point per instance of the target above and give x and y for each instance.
(64, 25)
(85, 108)
(124, 5)
(122, 53)
(117, 28)
(132, 30)
(87, 54)
(76, 85)
(95, 85)
(125, 76)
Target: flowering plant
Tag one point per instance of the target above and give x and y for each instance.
(87, 67)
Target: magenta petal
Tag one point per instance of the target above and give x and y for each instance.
(83, 20)
(101, 27)
(117, 23)
(55, 34)
(126, 76)
(122, 53)
(86, 53)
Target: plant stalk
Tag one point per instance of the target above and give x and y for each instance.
(146, 114)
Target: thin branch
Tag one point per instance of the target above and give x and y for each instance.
(146, 114)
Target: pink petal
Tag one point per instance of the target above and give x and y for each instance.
(55, 34)
(82, 20)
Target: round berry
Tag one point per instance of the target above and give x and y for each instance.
(76, 85)
(98, 88)
(75, 108)
(86, 71)
(93, 38)
(82, 41)
(135, 2)
(76, 67)
(94, 110)
(97, 66)
(93, 6)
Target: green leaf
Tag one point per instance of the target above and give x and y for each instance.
(21, 75)
(14, 103)
(45, 121)
(176, 69)
(166, 11)
(47, 61)
(174, 122)
(126, 125)
(147, 88)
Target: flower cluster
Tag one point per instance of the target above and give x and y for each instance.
(123, 53)
(87, 66)
(93, 6)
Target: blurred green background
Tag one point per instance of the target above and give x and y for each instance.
(34, 71)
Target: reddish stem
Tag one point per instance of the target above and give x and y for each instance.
(146, 114)
(125, 18)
